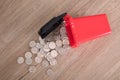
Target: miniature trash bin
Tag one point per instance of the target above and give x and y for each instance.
(79, 29)
(82, 29)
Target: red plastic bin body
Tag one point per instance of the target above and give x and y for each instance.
(82, 29)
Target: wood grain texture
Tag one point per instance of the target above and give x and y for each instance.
(95, 60)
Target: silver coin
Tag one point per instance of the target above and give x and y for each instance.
(28, 55)
(38, 45)
(46, 48)
(32, 44)
(61, 51)
(39, 54)
(45, 63)
(42, 52)
(42, 41)
(50, 72)
(28, 61)
(49, 57)
(38, 59)
(57, 37)
(34, 50)
(64, 37)
(20, 60)
(47, 54)
(58, 43)
(53, 53)
(65, 42)
(62, 30)
(32, 69)
(52, 45)
(53, 62)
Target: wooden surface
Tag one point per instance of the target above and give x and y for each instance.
(95, 60)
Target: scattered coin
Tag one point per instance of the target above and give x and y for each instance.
(38, 59)
(57, 37)
(28, 55)
(61, 51)
(42, 41)
(53, 62)
(32, 69)
(52, 45)
(45, 63)
(49, 57)
(38, 45)
(53, 53)
(50, 72)
(47, 54)
(28, 61)
(65, 42)
(42, 52)
(62, 30)
(46, 48)
(20, 60)
(34, 50)
(58, 43)
(32, 44)
(64, 37)
(39, 54)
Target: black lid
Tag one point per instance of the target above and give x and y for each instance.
(51, 25)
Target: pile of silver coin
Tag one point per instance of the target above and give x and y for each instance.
(46, 51)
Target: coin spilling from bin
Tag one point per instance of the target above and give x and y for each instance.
(46, 50)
